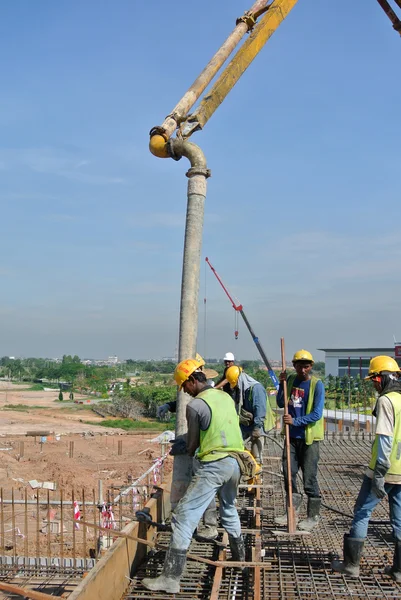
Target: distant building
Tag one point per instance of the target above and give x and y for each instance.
(355, 361)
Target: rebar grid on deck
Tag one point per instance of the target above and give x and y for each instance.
(54, 583)
(298, 567)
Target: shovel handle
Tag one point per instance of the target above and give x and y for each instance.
(290, 507)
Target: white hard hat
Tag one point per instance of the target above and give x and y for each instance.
(229, 356)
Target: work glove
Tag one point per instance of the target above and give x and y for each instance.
(179, 446)
(378, 480)
(257, 433)
(162, 411)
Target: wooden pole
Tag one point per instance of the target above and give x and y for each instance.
(25, 592)
(290, 506)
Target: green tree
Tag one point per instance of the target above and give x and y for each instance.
(60, 396)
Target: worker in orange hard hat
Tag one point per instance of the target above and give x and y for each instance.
(306, 427)
(214, 438)
(383, 476)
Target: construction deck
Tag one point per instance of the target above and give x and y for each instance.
(292, 568)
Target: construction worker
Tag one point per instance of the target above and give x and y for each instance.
(306, 428)
(207, 526)
(255, 414)
(222, 383)
(213, 433)
(383, 476)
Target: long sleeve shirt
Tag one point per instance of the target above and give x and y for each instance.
(298, 403)
(385, 432)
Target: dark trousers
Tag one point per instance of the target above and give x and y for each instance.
(306, 458)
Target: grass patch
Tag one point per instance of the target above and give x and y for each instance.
(21, 407)
(129, 424)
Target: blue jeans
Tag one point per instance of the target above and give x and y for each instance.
(219, 477)
(366, 502)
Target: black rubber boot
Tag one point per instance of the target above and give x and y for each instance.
(395, 570)
(296, 502)
(257, 450)
(169, 580)
(237, 548)
(352, 556)
(313, 512)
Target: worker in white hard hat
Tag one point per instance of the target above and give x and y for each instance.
(383, 475)
(223, 383)
(306, 427)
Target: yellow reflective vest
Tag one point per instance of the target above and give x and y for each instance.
(223, 434)
(395, 456)
(315, 431)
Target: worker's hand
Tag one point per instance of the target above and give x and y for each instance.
(283, 376)
(257, 433)
(162, 411)
(179, 446)
(288, 420)
(378, 481)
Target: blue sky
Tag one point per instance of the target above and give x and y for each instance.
(303, 208)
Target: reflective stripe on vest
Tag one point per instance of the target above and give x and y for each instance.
(223, 434)
(315, 431)
(395, 456)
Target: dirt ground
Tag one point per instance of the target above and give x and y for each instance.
(95, 448)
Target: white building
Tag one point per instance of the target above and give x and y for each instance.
(355, 361)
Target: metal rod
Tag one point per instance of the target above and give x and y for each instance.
(61, 528)
(48, 527)
(290, 507)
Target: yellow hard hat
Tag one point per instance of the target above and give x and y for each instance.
(303, 355)
(378, 364)
(232, 375)
(200, 360)
(184, 369)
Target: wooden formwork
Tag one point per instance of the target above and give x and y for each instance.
(109, 579)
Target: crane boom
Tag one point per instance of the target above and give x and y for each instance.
(179, 120)
(239, 308)
(391, 14)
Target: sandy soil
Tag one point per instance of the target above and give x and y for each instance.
(95, 448)
(74, 457)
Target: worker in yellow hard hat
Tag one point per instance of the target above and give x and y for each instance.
(383, 476)
(306, 428)
(255, 414)
(163, 409)
(214, 438)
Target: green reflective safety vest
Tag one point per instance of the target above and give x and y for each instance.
(315, 431)
(223, 434)
(395, 456)
(269, 421)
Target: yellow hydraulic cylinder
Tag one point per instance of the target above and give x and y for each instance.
(276, 14)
